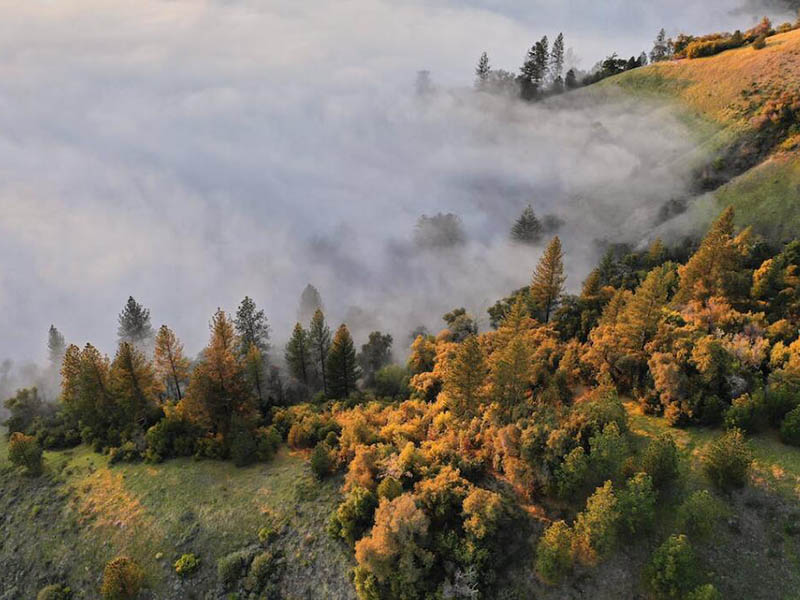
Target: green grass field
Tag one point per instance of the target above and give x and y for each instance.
(84, 512)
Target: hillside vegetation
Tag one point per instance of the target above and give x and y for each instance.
(752, 100)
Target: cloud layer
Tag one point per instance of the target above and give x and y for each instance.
(189, 153)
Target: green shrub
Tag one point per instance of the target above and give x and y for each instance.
(727, 461)
(779, 401)
(210, 446)
(609, 450)
(554, 553)
(389, 488)
(268, 439)
(637, 503)
(233, 567)
(54, 592)
(704, 592)
(353, 516)
(699, 513)
(672, 569)
(187, 564)
(122, 579)
(243, 447)
(125, 453)
(596, 527)
(266, 534)
(321, 461)
(760, 42)
(745, 414)
(790, 428)
(263, 568)
(170, 437)
(572, 475)
(660, 461)
(24, 451)
(391, 381)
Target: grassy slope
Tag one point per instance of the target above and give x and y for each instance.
(84, 512)
(721, 91)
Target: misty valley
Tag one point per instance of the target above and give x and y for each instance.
(431, 301)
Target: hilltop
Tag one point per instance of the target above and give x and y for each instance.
(744, 106)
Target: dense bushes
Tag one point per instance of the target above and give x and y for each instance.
(660, 461)
(727, 461)
(24, 451)
(234, 566)
(554, 553)
(122, 579)
(672, 572)
(354, 515)
(699, 513)
(186, 564)
(54, 592)
(790, 428)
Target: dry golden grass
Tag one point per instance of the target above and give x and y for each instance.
(722, 87)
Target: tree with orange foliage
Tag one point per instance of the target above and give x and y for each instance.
(218, 388)
(172, 367)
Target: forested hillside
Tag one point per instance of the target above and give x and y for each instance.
(636, 438)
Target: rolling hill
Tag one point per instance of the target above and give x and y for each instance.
(746, 103)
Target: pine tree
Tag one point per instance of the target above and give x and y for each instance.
(134, 384)
(534, 69)
(172, 367)
(320, 339)
(85, 392)
(310, 302)
(342, 369)
(639, 320)
(527, 229)
(557, 61)
(511, 374)
(547, 284)
(55, 346)
(709, 271)
(482, 72)
(571, 80)
(134, 324)
(660, 49)
(255, 369)
(465, 377)
(542, 58)
(218, 388)
(298, 355)
(251, 327)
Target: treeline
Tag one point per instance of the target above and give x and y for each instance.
(151, 401)
(542, 72)
(690, 46)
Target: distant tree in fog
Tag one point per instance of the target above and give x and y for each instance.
(439, 231)
(251, 327)
(320, 340)
(660, 49)
(134, 323)
(423, 85)
(310, 302)
(527, 229)
(374, 355)
(342, 368)
(557, 63)
(461, 324)
(482, 72)
(298, 354)
(55, 346)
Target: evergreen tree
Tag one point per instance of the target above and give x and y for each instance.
(255, 369)
(534, 69)
(55, 346)
(571, 80)
(557, 62)
(319, 335)
(310, 302)
(527, 229)
(465, 377)
(642, 60)
(251, 327)
(511, 373)
(218, 388)
(342, 368)
(482, 72)
(374, 355)
(134, 324)
(85, 392)
(547, 284)
(660, 49)
(298, 355)
(172, 367)
(135, 386)
(710, 270)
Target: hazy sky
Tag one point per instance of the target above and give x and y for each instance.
(189, 153)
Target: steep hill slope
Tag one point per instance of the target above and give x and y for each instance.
(749, 101)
